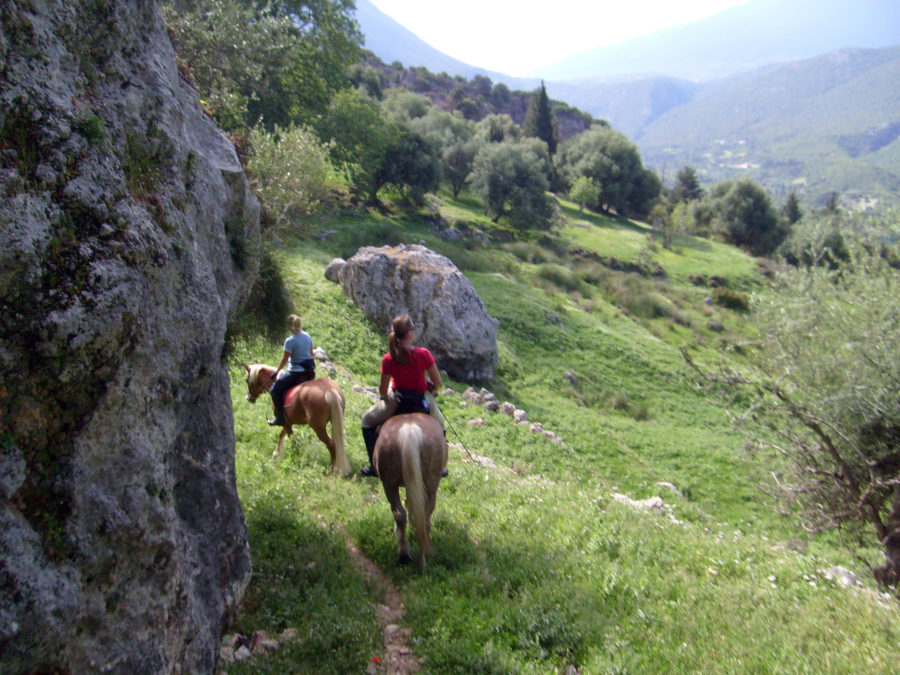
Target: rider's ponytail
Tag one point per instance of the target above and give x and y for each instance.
(401, 326)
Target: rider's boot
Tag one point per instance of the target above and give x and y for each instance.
(369, 435)
(279, 418)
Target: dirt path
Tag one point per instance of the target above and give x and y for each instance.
(398, 658)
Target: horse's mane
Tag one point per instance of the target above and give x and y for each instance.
(254, 372)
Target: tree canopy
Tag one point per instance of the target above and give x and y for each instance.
(746, 213)
(511, 180)
(275, 62)
(608, 158)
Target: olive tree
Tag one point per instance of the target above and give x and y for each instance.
(359, 135)
(455, 137)
(510, 178)
(745, 212)
(275, 62)
(289, 171)
(613, 162)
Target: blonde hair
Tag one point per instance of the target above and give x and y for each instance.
(295, 323)
(401, 326)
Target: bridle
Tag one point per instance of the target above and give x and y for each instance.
(254, 388)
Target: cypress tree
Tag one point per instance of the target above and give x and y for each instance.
(539, 119)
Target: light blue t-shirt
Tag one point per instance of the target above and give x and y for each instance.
(299, 345)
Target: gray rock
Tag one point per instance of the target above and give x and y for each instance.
(333, 271)
(450, 317)
(123, 545)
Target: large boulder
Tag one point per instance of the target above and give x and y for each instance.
(126, 232)
(449, 316)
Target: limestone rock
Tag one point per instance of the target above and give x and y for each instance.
(449, 316)
(333, 271)
(127, 228)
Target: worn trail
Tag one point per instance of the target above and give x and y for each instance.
(398, 658)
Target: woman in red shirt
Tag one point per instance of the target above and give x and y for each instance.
(403, 386)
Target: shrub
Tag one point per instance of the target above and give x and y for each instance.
(725, 297)
(90, 127)
(289, 169)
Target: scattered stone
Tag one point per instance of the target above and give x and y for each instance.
(507, 408)
(650, 504)
(287, 635)
(842, 576)
(477, 422)
(370, 392)
(671, 487)
(553, 436)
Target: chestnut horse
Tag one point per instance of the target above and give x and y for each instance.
(411, 452)
(315, 402)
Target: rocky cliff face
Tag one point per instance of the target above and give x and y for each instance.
(126, 236)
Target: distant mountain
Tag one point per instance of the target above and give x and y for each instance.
(819, 125)
(391, 42)
(743, 38)
(628, 103)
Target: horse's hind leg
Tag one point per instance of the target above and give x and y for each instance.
(329, 443)
(393, 497)
(430, 500)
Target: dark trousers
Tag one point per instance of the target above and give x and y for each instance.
(284, 384)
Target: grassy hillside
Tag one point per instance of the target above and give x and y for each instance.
(539, 564)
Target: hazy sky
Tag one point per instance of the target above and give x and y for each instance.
(516, 36)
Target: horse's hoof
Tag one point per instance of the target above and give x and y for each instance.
(367, 472)
(404, 559)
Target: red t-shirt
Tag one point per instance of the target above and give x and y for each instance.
(412, 375)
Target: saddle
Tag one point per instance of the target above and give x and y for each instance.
(410, 401)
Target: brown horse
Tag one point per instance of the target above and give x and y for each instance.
(411, 452)
(315, 402)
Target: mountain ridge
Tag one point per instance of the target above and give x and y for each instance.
(739, 39)
(816, 126)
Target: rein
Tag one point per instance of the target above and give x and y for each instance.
(453, 429)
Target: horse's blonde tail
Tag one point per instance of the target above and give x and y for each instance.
(336, 405)
(410, 437)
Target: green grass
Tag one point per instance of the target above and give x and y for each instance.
(537, 566)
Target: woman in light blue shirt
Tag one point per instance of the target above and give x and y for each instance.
(298, 350)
